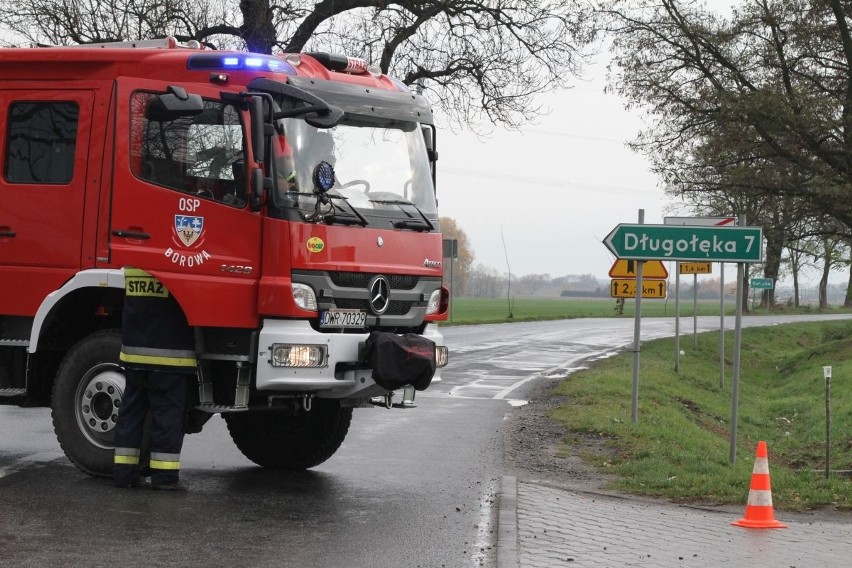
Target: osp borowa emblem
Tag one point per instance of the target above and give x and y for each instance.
(188, 228)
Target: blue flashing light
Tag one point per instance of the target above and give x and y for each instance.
(238, 62)
(323, 177)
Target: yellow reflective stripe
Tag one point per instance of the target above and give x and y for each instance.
(127, 451)
(126, 460)
(134, 272)
(158, 360)
(160, 464)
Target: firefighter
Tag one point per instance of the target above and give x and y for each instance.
(158, 355)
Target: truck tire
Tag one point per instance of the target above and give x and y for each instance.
(294, 443)
(86, 396)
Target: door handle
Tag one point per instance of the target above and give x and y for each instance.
(131, 234)
(6, 232)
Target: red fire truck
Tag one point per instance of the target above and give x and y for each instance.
(287, 202)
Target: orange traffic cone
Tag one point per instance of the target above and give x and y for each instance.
(759, 513)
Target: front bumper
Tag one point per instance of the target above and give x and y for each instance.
(337, 379)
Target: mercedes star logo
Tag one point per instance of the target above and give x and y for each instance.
(379, 295)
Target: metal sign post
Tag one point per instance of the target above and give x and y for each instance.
(695, 311)
(641, 242)
(738, 334)
(677, 317)
(451, 251)
(826, 372)
(637, 328)
(701, 268)
(721, 325)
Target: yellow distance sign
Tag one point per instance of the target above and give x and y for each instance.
(623, 288)
(652, 269)
(696, 267)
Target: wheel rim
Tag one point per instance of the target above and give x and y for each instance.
(97, 401)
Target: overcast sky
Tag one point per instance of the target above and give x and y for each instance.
(553, 190)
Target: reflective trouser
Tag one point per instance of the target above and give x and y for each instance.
(163, 394)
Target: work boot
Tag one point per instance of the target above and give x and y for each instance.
(138, 482)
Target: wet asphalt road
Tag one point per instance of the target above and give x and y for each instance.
(404, 490)
(408, 488)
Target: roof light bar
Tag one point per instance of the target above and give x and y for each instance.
(239, 62)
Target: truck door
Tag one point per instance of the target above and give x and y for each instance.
(179, 202)
(45, 147)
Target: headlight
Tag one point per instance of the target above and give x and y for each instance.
(434, 302)
(294, 355)
(304, 297)
(442, 355)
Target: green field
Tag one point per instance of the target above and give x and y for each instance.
(494, 310)
(679, 448)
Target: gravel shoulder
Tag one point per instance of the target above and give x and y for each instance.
(532, 443)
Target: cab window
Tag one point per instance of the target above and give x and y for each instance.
(42, 139)
(202, 154)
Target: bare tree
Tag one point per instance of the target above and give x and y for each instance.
(477, 58)
(762, 99)
(510, 301)
(484, 282)
(533, 282)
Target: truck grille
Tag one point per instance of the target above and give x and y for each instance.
(395, 308)
(350, 290)
(362, 280)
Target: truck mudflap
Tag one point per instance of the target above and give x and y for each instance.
(343, 373)
(400, 360)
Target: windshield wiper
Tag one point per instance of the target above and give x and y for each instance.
(414, 224)
(354, 219)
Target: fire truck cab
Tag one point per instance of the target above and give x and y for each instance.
(287, 202)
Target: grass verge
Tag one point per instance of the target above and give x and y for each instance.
(679, 448)
(496, 310)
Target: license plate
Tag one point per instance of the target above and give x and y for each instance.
(343, 319)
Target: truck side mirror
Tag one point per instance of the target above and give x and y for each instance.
(428, 131)
(175, 104)
(258, 128)
(429, 134)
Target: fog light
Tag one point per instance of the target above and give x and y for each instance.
(442, 355)
(290, 355)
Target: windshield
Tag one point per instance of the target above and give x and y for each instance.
(379, 166)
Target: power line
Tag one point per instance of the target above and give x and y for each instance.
(527, 180)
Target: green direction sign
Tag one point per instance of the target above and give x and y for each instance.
(684, 242)
(761, 283)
